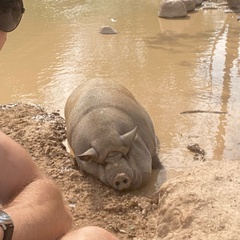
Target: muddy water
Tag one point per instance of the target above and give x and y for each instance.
(171, 66)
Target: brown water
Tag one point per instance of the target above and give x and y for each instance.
(170, 66)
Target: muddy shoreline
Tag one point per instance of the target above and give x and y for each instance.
(128, 215)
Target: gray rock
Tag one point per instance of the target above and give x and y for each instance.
(234, 4)
(190, 5)
(172, 9)
(107, 30)
(198, 2)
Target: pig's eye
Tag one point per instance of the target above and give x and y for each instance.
(112, 154)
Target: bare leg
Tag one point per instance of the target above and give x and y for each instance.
(89, 233)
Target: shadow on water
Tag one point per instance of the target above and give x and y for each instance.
(163, 40)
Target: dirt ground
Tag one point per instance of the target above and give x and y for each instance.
(202, 202)
(130, 215)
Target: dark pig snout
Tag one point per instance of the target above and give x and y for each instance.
(122, 181)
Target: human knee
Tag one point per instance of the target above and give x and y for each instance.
(90, 233)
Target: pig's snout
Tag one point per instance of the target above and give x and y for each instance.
(122, 181)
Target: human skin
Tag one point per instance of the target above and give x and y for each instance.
(33, 201)
(3, 37)
(89, 233)
(27, 195)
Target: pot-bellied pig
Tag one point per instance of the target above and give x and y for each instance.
(111, 134)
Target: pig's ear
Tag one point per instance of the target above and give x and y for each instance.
(129, 137)
(89, 155)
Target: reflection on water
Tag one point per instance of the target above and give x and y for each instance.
(171, 66)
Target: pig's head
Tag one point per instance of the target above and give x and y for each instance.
(121, 161)
(107, 144)
(121, 172)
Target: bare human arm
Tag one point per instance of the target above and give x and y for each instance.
(33, 201)
(1, 233)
